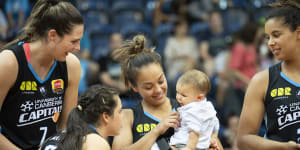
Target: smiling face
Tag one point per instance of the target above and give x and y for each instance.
(152, 84)
(68, 43)
(281, 40)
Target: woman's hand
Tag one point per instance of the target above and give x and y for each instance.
(171, 121)
(291, 145)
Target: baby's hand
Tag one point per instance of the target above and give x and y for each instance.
(213, 144)
(173, 148)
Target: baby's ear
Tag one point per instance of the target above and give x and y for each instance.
(201, 97)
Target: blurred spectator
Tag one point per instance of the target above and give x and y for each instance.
(244, 65)
(228, 136)
(163, 13)
(17, 11)
(180, 54)
(214, 43)
(198, 10)
(110, 69)
(3, 26)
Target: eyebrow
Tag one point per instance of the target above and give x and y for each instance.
(275, 31)
(149, 83)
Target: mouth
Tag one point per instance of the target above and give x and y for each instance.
(160, 96)
(276, 51)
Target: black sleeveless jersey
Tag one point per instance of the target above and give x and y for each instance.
(144, 122)
(32, 106)
(52, 142)
(282, 105)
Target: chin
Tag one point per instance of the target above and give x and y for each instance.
(61, 59)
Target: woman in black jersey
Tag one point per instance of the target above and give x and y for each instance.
(39, 75)
(146, 126)
(97, 116)
(275, 93)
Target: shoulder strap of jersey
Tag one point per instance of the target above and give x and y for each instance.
(20, 56)
(274, 74)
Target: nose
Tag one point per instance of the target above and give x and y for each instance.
(178, 97)
(77, 46)
(157, 89)
(271, 42)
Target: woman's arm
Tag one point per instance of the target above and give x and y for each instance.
(252, 115)
(8, 75)
(71, 95)
(125, 139)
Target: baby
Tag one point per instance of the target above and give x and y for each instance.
(198, 116)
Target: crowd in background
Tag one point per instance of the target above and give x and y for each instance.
(223, 38)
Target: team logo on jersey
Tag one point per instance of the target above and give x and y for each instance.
(281, 110)
(298, 94)
(27, 106)
(57, 85)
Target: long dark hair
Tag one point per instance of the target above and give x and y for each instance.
(134, 55)
(91, 105)
(289, 10)
(46, 15)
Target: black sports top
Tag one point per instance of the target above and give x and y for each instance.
(144, 122)
(282, 105)
(31, 108)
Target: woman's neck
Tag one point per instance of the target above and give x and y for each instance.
(158, 111)
(102, 132)
(38, 50)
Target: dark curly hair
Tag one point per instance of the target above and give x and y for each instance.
(91, 105)
(289, 10)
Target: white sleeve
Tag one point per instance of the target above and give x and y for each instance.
(217, 124)
(198, 123)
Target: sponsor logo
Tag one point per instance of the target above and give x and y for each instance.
(57, 85)
(279, 93)
(33, 111)
(288, 115)
(28, 87)
(142, 128)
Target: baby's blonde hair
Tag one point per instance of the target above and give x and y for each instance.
(197, 79)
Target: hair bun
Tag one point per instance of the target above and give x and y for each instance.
(138, 42)
(52, 2)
